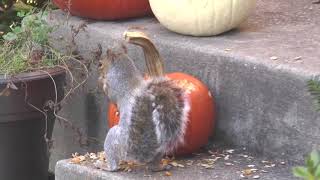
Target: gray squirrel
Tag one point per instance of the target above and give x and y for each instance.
(153, 114)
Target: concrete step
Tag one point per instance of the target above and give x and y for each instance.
(257, 73)
(203, 166)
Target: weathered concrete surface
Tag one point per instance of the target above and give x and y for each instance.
(263, 104)
(229, 169)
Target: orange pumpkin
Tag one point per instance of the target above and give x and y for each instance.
(202, 113)
(105, 9)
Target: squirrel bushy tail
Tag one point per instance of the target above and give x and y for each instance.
(158, 119)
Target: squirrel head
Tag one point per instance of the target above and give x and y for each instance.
(118, 75)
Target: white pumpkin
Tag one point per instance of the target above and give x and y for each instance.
(201, 17)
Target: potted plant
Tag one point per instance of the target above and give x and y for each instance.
(32, 81)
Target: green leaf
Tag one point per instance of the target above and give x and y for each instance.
(10, 36)
(21, 14)
(301, 172)
(17, 30)
(314, 89)
(317, 172)
(315, 158)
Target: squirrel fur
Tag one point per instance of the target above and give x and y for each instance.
(153, 113)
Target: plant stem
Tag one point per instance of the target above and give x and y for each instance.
(154, 62)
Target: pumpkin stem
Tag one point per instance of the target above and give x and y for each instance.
(152, 56)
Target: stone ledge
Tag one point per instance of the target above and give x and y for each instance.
(226, 168)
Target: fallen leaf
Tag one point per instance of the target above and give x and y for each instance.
(270, 166)
(93, 156)
(247, 172)
(189, 163)
(101, 156)
(175, 164)
(274, 58)
(75, 160)
(75, 154)
(230, 151)
(165, 162)
(297, 58)
(207, 166)
(227, 157)
(167, 173)
(243, 155)
(82, 158)
(228, 164)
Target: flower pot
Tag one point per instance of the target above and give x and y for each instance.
(23, 148)
(201, 17)
(106, 9)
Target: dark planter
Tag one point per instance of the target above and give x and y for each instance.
(23, 148)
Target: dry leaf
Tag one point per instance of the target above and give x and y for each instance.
(207, 166)
(82, 158)
(243, 155)
(230, 151)
(270, 166)
(274, 58)
(297, 58)
(93, 156)
(101, 156)
(247, 172)
(175, 164)
(167, 173)
(75, 154)
(165, 162)
(189, 163)
(228, 164)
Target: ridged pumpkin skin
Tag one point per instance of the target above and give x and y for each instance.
(201, 117)
(106, 9)
(202, 17)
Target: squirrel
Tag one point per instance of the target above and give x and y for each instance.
(153, 113)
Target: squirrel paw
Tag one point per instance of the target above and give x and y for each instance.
(105, 166)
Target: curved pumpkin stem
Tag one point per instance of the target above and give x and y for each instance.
(153, 59)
